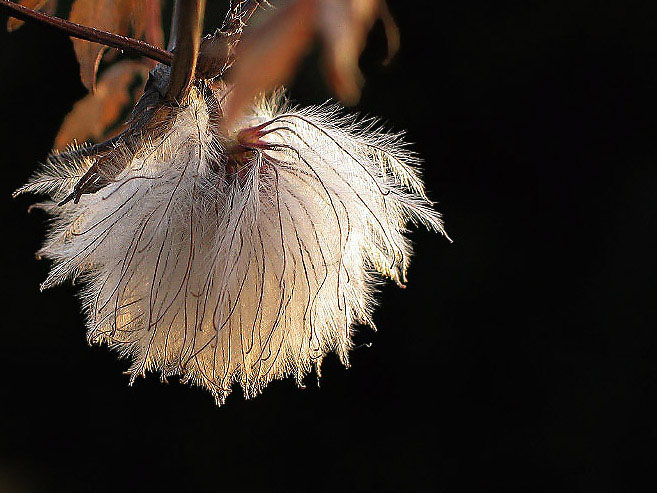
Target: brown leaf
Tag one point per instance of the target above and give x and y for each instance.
(392, 32)
(215, 56)
(267, 57)
(95, 113)
(47, 6)
(148, 123)
(117, 16)
(147, 21)
(217, 51)
(343, 25)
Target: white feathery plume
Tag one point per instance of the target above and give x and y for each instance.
(241, 259)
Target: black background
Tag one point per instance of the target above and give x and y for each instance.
(521, 357)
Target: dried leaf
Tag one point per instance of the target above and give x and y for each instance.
(392, 32)
(267, 57)
(149, 122)
(117, 16)
(95, 113)
(343, 25)
(215, 55)
(148, 22)
(47, 6)
(217, 51)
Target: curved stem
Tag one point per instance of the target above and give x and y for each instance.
(188, 23)
(124, 43)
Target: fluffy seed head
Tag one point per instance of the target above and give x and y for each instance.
(237, 259)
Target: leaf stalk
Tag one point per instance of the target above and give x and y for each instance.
(125, 43)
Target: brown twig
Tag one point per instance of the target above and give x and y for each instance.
(124, 43)
(188, 22)
(214, 58)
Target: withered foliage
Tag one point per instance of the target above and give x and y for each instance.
(47, 6)
(267, 55)
(95, 116)
(124, 17)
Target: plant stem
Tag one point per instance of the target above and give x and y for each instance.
(124, 43)
(188, 23)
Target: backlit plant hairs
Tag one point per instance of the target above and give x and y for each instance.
(240, 253)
